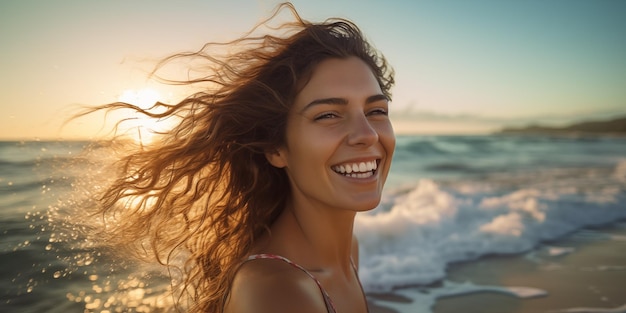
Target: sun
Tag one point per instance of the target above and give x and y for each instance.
(138, 126)
(144, 98)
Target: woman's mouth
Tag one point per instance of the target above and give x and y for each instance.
(357, 169)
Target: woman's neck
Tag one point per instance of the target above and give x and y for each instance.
(314, 237)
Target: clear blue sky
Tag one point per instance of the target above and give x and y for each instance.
(462, 66)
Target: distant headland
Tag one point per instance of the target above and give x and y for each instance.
(615, 126)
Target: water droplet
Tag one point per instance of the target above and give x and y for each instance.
(56, 274)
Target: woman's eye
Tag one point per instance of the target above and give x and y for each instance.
(380, 111)
(324, 116)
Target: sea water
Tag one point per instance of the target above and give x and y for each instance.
(447, 199)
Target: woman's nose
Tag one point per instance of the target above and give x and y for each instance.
(361, 131)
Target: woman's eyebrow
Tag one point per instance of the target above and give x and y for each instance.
(375, 98)
(342, 101)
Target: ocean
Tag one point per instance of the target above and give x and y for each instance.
(448, 199)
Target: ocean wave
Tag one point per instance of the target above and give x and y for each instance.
(415, 235)
(30, 185)
(452, 167)
(50, 161)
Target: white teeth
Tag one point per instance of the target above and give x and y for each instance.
(357, 170)
(362, 167)
(360, 175)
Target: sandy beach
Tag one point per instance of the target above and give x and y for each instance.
(582, 272)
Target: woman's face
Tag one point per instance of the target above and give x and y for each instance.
(339, 139)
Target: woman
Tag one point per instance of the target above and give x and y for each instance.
(258, 185)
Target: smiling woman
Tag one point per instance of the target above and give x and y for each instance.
(257, 185)
(339, 119)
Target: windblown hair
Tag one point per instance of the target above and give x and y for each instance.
(205, 192)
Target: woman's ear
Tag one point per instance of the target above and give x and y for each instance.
(276, 157)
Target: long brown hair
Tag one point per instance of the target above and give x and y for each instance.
(205, 191)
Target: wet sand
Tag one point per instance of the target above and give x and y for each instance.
(584, 270)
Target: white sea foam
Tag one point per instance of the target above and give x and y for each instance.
(559, 251)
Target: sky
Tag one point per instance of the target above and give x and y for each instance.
(462, 67)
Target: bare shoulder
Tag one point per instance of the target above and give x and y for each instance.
(268, 285)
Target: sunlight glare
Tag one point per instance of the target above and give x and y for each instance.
(144, 98)
(140, 127)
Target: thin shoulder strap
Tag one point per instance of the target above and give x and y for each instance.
(356, 272)
(330, 307)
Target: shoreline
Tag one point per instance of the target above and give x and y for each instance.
(582, 272)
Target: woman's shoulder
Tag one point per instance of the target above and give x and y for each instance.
(272, 285)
